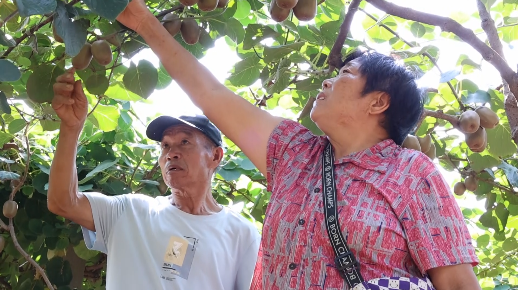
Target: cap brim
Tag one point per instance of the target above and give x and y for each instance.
(155, 129)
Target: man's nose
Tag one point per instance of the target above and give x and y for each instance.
(173, 154)
(327, 84)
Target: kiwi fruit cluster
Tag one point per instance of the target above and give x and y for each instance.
(470, 183)
(473, 123)
(423, 144)
(99, 50)
(304, 10)
(188, 28)
(205, 5)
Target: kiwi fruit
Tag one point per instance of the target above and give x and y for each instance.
(55, 34)
(2, 243)
(83, 58)
(431, 153)
(102, 52)
(205, 39)
(305, 10)
(488, 118)
(172, 23)
(277, 13)
(207, 5)
(188, 2)
(469, 122)
(425, 142)
(222, 3)
(477, 140)
(459, 188)
(10, 209)
(411, 142)
(286, 4)
(113, 39)
(190, 31)
(471, 183)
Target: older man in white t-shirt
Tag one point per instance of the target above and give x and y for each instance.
(183, 241)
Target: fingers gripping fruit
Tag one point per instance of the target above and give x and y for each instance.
(83, 58)
(102, 52)
(10, 209)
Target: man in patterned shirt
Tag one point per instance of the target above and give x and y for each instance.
(395, 210)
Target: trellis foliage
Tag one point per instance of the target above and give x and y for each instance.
(281, 65)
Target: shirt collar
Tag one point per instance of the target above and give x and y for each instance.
(376, 158)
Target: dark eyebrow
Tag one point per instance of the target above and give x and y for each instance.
(186, 131)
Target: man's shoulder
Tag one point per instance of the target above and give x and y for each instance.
(237, 220)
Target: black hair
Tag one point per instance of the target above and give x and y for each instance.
(383, 74)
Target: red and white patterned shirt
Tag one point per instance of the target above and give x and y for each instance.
(396, 211)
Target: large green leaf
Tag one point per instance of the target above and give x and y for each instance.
(109, 9)
(35, 7)
(97, 84)
(234, 30)
(117, 91)
(141, 79)
(4, 105)
(274, 53)
(73, 32)
(107, 117)
(480, 162)
(101, 167)
(8, 71)
(256, 33)
(246, 72)
(511, 172)
(41, 81)
(499, 141)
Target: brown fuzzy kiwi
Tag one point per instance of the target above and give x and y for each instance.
(102, 52)
(411, 142)
(459, 188)
(305, 10)
(469, 122)
(172, 23)
(278, 14)
(83, 58)
(190, 31)
(488, 118)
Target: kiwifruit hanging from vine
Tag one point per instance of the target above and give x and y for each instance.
(411, 142)
(286, 4)
(172, 23)
(102, 52)
(425, 142)
(113, 39)
(431, 153)
(188, 2)
(205, 39)
(10, 209)
(471, 183)
(222, 3)
(477, 140)
(488, 118)
(305, 10)
(190, 31)
(469, 122)
(207, 5)
(277, 13)
(55, 33)
(459, 188)
(83, 58)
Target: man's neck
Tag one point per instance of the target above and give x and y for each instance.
(346, 142)
(195, 202)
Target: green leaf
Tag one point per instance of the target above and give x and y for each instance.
(49, 125)
(107, 117)
(499, 141)
(73, 32)
(229, 175)
(117, 91)
(164, 79)
(109, 9)
(39, 84)
(234, 29)
(511, 172)
(6, 175)
(246, 72)
(8, 71)
(477, 97)
(469, 86)
(256, 33)
(16, 126)
(97, 84)
(480, 162)
(83, 252)
(101, 167)
(274, 53)
(35, 225)
(309, 84)
(449, 75)
(245, 163)
(35, 7)
(502, 213)
(513, 209)
(310, 34)
(417, 29)
(9, 42)
(4, 105)
(243, 10)
(510, 244)
(5, 138)
(141, 79)
(115, 188)
(483, 241)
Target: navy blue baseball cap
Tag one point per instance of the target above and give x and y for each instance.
(155, 129)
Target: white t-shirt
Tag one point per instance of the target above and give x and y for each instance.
(151, 244)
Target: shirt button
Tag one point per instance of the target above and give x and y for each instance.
(293, 266)
(317, 190)
(301, 222)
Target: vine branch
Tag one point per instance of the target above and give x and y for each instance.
(335, 56)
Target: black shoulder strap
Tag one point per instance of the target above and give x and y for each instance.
(345, 261)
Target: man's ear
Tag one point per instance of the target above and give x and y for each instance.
(217, 155)
(380, 103)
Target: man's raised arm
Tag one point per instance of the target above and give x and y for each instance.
(246, 125)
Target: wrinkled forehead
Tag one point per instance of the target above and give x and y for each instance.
(180, 128)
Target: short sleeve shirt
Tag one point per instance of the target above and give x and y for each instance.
(395, 210)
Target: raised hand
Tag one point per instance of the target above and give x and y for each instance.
(70, 103)
(135, 14)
